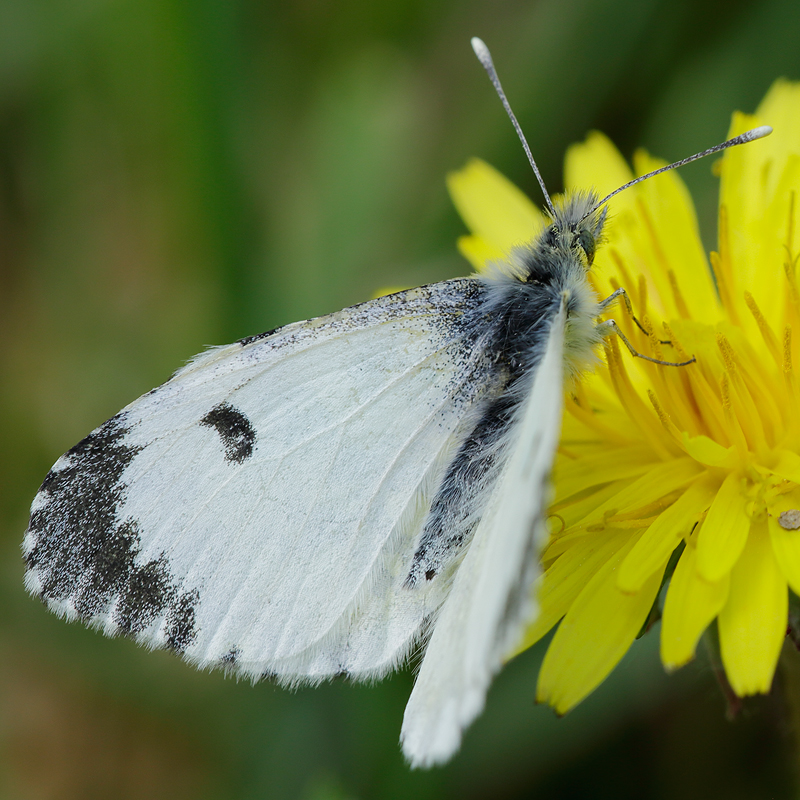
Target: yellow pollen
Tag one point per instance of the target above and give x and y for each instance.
(787, 351)
(673, 385)
(668, 334)
(726, 398)
(788, 374)
(668, 424)
(734, 429)
(720, 279)
(745, 409)
(709, 405)
(633, 404)
(726, 352)
(680, 303)
(763, 326)
(644, 515)
(581, 409)
(635, 523)
(721, 266)
(655, 343)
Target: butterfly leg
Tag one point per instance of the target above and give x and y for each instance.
(612, 298)
(610, 328)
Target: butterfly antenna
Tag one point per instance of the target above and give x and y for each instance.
(485, 57)
(742, 138)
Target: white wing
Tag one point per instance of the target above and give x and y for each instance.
(490, 602)
(259, 510)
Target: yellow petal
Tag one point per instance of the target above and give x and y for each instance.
(781, 150)
(781, 109)
(594, 635)
(690, 606)
(659, 481)
(657, 543)
(564, 580)
(577, 475)
(709, 452)
(742, 196)
(573, 511)
(752, 624)
(596, 164)
(479, 252)
(675, 240)
(492, 207)
(754, 191)
(724, 531)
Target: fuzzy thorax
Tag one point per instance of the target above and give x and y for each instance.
(550, 271)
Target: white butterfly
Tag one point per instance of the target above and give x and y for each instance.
(321, 499)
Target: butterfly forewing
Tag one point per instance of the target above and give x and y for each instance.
(260, 510)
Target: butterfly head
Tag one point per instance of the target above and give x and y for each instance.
(575, 230)
(564, 251)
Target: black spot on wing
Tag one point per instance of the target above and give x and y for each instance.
(111, 568)
(181, 630)
(83, 553)
(234, 429)
(144, 597)
(75, 527)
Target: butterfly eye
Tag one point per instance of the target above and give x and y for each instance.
(586, 242)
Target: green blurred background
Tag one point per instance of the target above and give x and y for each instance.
(175, 174)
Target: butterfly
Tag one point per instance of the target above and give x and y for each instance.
(326, 498)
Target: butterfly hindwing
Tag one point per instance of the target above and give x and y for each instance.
(491, 600)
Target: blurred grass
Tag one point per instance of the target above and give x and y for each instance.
(176, 174)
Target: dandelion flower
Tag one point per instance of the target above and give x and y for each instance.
(684, 477)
